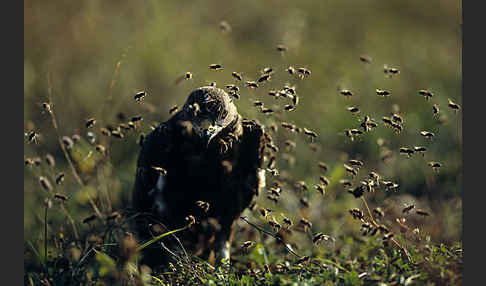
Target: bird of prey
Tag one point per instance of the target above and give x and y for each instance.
(207, 153)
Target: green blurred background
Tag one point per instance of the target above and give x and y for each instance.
(80, 43)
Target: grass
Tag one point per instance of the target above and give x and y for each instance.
(77, 225)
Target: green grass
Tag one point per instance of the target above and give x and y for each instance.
(88, 59)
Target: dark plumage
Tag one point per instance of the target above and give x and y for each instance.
(209, 154)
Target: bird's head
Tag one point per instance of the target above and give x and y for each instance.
(210, 110)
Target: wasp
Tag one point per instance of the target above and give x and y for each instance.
(265, 212)
(383, 92)
(289, 107)
(117, 134)
(173, 109)
(408, 208)
(420, 149)
(60, 197)
(247, 244)
(304, 72)
(289, 89)
(356, 213)
(374, 176)
(356, 132)
(391, 71)
(237, 76)
(276, 191)
(302, 260)
(453, 105)
(32, 136)
(274, 224)
(46, 107)
(435, 108)
(427, 94)
(365, 59)
(390, 185)
(357, 192)
(281, 48)
(287, 125)
(387, 121)
(68, 142)
(60, 178)
(379, 212)
(286, 221)
(306, 223)
(203, 205)
(190, 219)
(422, 212)
(50, 160)
(356, 163)
(350, 170)
(114, 215)
(319, 237)
(345, 182)
(232, 87)
(89, 219)
(310, 133)
(215, 67)
(139, 96)
(273, 198)
(136, 118)
(225, 26)
(324, 180)
(160, 170)
(100, 148)
(301, 185)
(251, 84)
(29, 161)
(409, 152)
(266, 110)
(397, 127)
(223, 145)
(346, 92)
(353, 109)
(323, 166)
(397, 118)
(387, 237)
(291, 70)
(76, 137)
(435, 165)
(320, 189)
(271, 162)
(105, 131)
(427, 134)
(267, 70)
(44, 182)
(37, 161)
(124, 126)
(295, 100)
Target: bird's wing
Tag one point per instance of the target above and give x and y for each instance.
(152, 163)
(252, 156)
